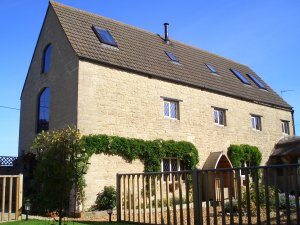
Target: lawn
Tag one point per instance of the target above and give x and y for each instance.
(43, 222)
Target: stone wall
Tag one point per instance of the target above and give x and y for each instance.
(102, 172)
(61, 79)
(115, 102)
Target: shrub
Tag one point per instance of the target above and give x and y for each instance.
(261, 197)
(106, 198)
(234, 206)
(244, 153)
(283, 203)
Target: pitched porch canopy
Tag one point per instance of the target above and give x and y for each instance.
(287, 150)
(217, 160)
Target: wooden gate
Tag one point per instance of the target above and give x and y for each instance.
(11, 187)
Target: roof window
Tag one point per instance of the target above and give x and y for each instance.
(256, 81)
(172, 56)
(104, 36)
(240, 76)
(211, 68)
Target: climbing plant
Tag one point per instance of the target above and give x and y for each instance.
(244, 153)
(150, 152)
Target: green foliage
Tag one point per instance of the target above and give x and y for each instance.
(259, 196)
(234, 206)
(106, 198)
(61, 164)
(283, 204)
(244, 153)
(150, 152)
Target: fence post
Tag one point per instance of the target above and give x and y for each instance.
(195, 188)
(118, 203)
(20, 195)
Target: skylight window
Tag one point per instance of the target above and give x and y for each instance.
(240, 76)
(256, 81)
(104, 36)
(211, 68)
(172, 56)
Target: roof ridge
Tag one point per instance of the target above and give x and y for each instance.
(205, 51)
(102, 17)
(87, 46)
(140, 29)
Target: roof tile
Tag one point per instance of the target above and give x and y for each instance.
(143, 51)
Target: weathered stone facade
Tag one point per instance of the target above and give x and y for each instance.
(115, 102)
(100, 99)
(62, 80)
(102, 172)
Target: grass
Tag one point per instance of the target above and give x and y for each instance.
(43, 222)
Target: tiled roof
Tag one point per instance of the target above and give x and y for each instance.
(144, 52)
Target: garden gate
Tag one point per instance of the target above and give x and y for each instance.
(252, 195)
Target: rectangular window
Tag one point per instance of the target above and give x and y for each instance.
(256, 122)
(211, 68)
(172, 56)
(219, 117)
(104, 36)
(171, 109)
(285, 127)
(257, 82)
(240, 76)
(171, 165)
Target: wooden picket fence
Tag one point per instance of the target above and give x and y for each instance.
(253, 195)
(11, 187)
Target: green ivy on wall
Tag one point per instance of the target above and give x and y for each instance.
(149, 152)
(244, 153)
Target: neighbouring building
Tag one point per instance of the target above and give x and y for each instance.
(106, 77)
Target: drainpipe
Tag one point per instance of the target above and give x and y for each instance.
(293, 120)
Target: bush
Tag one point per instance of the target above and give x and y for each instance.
(234, 206)
(283, 203)
(261, 197)
(244, 153)
(106, 198)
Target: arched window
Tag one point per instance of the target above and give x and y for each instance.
(47, 59)
(43, 111)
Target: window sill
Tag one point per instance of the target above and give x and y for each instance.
(255, 130)
(172, 119)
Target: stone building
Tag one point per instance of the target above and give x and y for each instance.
(106, 77)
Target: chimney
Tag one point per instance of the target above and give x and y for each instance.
(166, 33)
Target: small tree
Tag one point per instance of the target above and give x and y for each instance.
(61, 164)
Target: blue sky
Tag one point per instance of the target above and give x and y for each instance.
(264, 35)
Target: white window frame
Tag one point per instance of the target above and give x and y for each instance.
(218, 111)
(255, 119)
(170, 166)
(285, 127)
(170, 102)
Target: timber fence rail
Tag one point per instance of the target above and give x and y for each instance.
(252, 195)
(11, 190)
